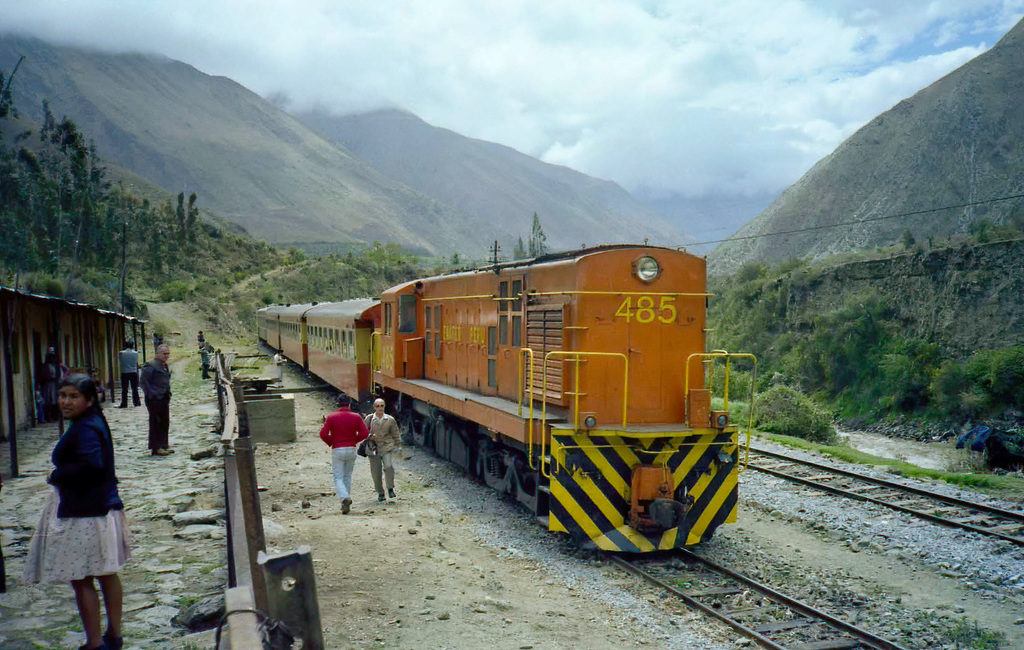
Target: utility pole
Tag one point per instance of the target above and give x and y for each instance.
(124, 260)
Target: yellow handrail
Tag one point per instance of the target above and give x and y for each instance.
(576, 401)
(728, 356)
(529, 454)
(374, 350)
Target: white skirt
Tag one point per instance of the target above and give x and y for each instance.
(74, 548)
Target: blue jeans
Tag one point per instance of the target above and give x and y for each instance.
(343, 460)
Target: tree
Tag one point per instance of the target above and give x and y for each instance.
(519, 250)
(191, 212)
(538, 240)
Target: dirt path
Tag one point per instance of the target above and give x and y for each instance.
(447, 565)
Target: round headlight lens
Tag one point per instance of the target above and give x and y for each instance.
(590, 422)
(647, 269)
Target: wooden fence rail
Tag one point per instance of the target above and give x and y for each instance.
(281, 588)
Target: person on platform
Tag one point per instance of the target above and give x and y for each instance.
(128, 358)
(83, 536)
(342, 431)
(156, 384)
(387, 438)
(50, 375)
(205, 350)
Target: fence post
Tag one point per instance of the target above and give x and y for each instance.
(291, 594)
(245, 463)
(242, 624)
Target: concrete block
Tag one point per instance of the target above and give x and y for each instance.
(271, 418)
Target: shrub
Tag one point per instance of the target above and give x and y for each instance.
(1000, 373)
(45, 285)
(174, 291)
(789, 412)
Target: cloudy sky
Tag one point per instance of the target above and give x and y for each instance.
(696, 98)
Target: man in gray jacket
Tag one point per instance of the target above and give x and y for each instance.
(129, 360)
(156, 384)
(384, 432)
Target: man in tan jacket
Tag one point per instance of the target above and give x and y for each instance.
(384, 432)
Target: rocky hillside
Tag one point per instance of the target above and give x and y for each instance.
(962, 298)
(159, 121)
(483, 178)
(248, 161)
(954, 143)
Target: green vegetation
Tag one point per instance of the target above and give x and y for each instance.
(968, 634)
(860, 355)
(787, 411)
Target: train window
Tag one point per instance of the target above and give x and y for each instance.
(406, 314)
(492, 374)
(503, 330)
(387, 319)
(502, 295)
(517, 331)
(492, 341)
(517, 289)
(427, 315)
(427, 345)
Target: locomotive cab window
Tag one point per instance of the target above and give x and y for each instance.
(387, 319)
(406, 314)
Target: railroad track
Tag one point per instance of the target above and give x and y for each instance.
(1006, 525)
(772, 619)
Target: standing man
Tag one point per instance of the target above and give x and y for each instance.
(156, 384)
(204, 357)
(129, 360)
(342, 431)
(384, 432)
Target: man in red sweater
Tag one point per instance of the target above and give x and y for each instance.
(342, 431)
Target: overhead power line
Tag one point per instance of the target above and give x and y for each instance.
(860, 221)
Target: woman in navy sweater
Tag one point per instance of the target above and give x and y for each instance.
(83, 535)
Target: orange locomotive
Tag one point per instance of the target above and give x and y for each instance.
(574, 382)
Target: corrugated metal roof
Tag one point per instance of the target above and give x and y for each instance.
(70, 303)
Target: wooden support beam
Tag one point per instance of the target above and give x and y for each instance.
(291, 595)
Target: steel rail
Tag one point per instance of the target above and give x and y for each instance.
(865, 638)
(695, 604)
(944, 521)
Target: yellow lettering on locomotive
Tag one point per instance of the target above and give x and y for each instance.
(478, 335)
(647, 309)
(389, 357)
(452, 333)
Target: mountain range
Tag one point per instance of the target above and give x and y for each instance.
(384, 176)
(932, 166)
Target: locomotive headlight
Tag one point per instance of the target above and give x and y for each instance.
(646, 269)
(590, 422)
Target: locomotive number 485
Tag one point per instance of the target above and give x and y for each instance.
(645, 311)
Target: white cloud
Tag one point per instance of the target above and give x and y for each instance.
(735, 96)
